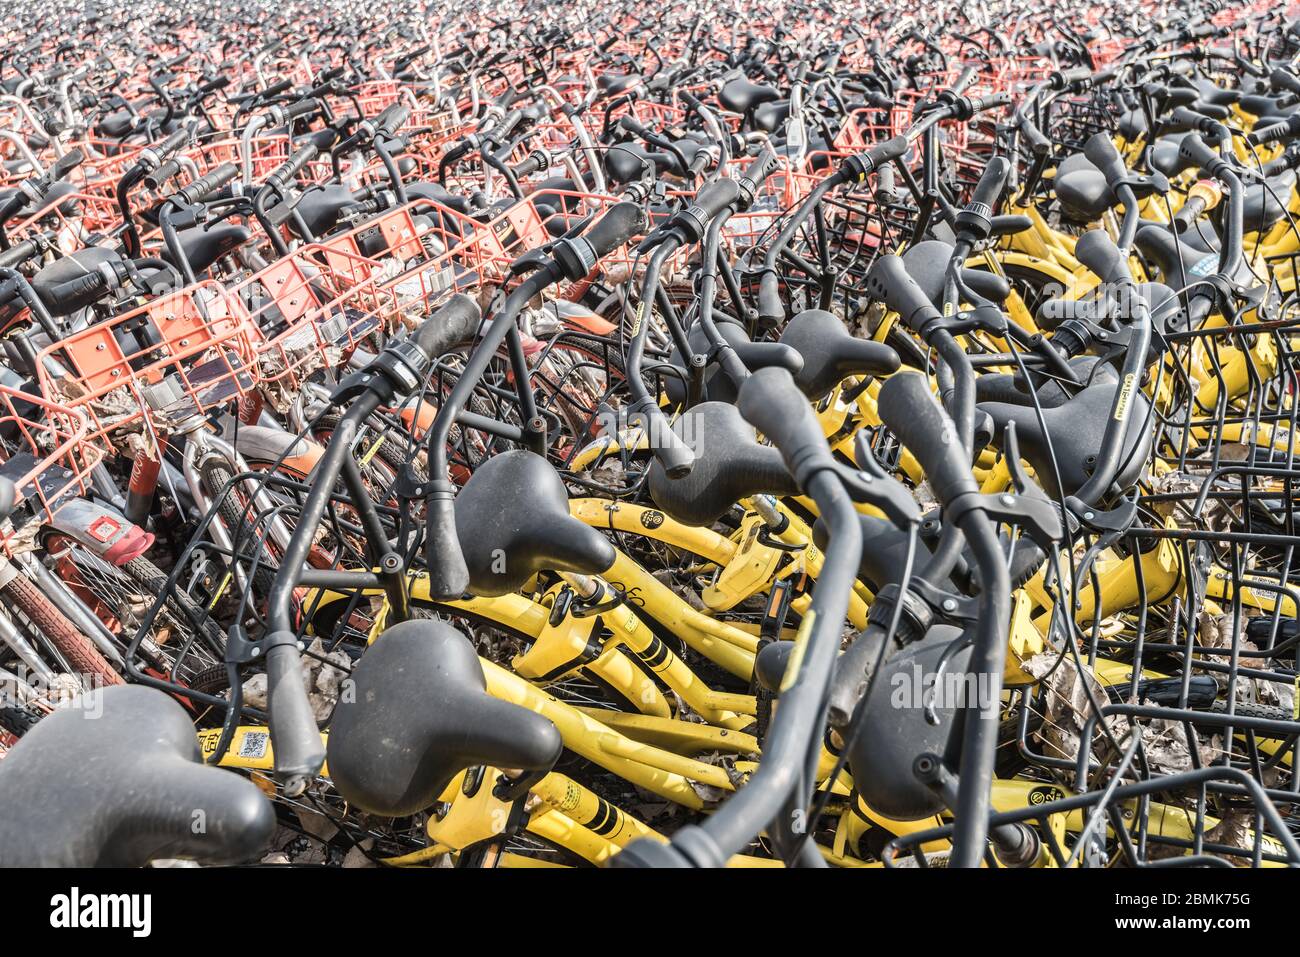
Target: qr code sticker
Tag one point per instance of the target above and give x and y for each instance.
(253, 745)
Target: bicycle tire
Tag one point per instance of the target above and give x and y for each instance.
(77, 650)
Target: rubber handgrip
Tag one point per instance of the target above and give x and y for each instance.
(208, 184)
(851, 676)
(908, 407)
(455, 323)
(392, 118)
(1283, 80)
(299, 751)
(1096, 250)
(1188, 213)
(162, 174)
(301, 108)
(172, 143)
(448, 574)
(714, 197)
(275, 89)
(286, 171)
(74, 289)
(619, 224)
(889, 282)
(1196, 151)
(771, 402)
(993, 181)
(760, 167)
(770, 307)
(1101, 153)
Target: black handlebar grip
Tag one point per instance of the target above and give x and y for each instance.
(75, 290)
(208, 184)
(392, 118)
(1101, 153)
(908, 407)
(1038, 143)
(1195, 150)
(162, 174)
(856, 167)
(455, 323)
(771, 402)
(993, 101)
(1284, 80)
(302, 108)
(1278, 131)
(1188, 118)
(619, 224)
(171, 144)
(299, 751)
(286, 171)
(755, 175)
(992, 182)
(714, 197)
(1096, 250)
(64, 165)
(1189, 213)
(889, 282)
(275, 89)
(1067, 78)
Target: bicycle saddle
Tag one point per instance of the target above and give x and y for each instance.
(1264, 204)
(627, 161)
(204, 246)
(1082, 190)
(740, 96)
(1009, 387)
(115, 125)
(771, 116)
(119, 781)
(831, 353)
(66, 269)
(613, 84)
(729, 465)
(884, 550)
(321, 206)
(1076, 428)
(894, 737)
(420, 715)
(513, 520)
(753, 355)
(1166, 311)
(927, 263)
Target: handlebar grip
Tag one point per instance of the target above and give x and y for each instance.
(1278, 131)
(857, 167)
(1101, 153)
(162, 174)
(1038, 143)
(1096, 250)
(392, 118)
(286, 171)
(760, 166)
(172, 143)
(299, 752)
(454, 323)
(64, 165)
(1189, 213)
(275, 89)
(991, 184)
(302, 108)
(771, 402)
(1195, 150)
(75, 289)
(208, 184)
(889, 282)
(770, 307)
(851, 676)
(712, 199)
(910, 410)
(1283, 80)
(992, 101)
(619, 224)
(1067, 78)
(448, 574)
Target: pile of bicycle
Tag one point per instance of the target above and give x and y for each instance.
(520, 434)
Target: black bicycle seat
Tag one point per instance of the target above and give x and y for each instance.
(771, 116)
(1076, 429)
(884, 551)
(729, 465)
(513, 520)
(204, 246)
(927, 263)
(831, 353)
(1009, 387)
(321, 206)
(65, 270)
(1264, 204)
(753, 355)
(118, 781)
(882, 757)
(1082, 190)
(419, 716)
(613, 84)
(626, 162)
(740, 95)
(1167, 314)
